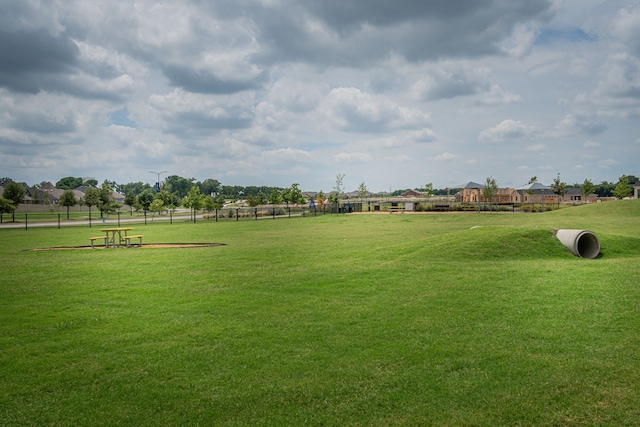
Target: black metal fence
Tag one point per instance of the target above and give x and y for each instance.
(28, 220)
(263, 212)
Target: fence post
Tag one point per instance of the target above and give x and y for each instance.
(256, 213)
(170, 216)
(216, 214)
(237, 216)
(26, 227)
(145, 217)
(58, 221)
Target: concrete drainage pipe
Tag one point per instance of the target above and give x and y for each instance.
(582, 243)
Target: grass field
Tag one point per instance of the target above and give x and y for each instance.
(368, 320)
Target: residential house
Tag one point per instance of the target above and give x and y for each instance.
(412, 193)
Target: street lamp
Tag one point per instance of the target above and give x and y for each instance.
(158, 181)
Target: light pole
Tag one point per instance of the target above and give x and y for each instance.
(158, 181)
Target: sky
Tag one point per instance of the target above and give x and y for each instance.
(392, 94)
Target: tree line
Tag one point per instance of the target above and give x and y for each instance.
(210, 194)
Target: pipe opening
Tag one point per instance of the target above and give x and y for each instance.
(582, 243)
(588, 245)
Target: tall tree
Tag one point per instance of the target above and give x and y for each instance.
(130, 200)
(490, 189)
(106, 202)
(15, 193)
(69, 183)
(6, 206)
(623, 188)
(428, 189)
(275, 197)
(133, 187)
(193, 200)
(339, 188)
(68, 199)
(295, 194)
(146, 198)
(363, 191)
(91, 198)
(559, 188)
(111, 184)
(586, 188)
(157, 206)
(210, 186)
(178, 185)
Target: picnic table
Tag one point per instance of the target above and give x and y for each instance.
(111, 233)
(122, 236)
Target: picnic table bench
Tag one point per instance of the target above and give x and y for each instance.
(127, 239)
(93, 239)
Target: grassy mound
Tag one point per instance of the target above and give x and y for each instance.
(466, 319)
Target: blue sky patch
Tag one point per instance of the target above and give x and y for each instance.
(121, 118)
(575, 35)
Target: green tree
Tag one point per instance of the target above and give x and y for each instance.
(146, 198)
(68, 199)
(106, 202)
(252, 200)
(490, 189)
(178, 185)
(559, 188)
(208, 203)
(428, 189)
(294, 194)
(193, 200)
(133, 187)
(604, 189)
(157, 206)
(7, 206)
(91, 183)
(586, 188)
(15, 193)
(91, 198)
(130, 200)
(531, 192)
(275, 197)
(623, 188)
(166, 198)
(339, 187)
(111, 184)
(210, 186)
(69, 183)
(363, 191)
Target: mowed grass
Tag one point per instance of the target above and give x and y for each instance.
(395, 319)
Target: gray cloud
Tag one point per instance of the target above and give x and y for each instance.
(409, 87)
(200, 81)
(31, 61)
(356, 33)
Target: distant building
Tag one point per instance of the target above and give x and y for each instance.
(412, 193)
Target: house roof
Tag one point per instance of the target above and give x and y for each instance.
(533, 186)
(470, 184)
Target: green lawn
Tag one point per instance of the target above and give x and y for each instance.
(391, 319)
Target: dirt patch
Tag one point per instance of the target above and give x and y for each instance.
(144, 246)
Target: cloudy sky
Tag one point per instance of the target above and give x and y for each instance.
(394, 94)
